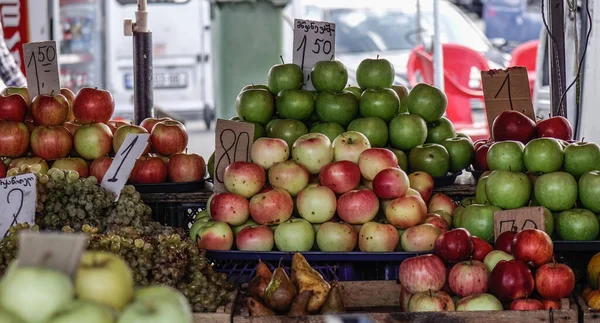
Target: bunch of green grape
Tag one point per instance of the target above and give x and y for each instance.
(129, 210)
(10, 244)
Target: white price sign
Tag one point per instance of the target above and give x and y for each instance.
(18, 196)
(313, 41)
(120, 169)
(41, 67)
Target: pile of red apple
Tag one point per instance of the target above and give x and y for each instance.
(335, 197)
(465, 274)
(75, 132)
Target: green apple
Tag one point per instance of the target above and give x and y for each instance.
(589, 191)
(581, 157)
(295, 104)
(195, 228)
(508, 190)
(339, 107)
(380, 103)
(155, 311)
(259, 130)
(548, 222)
(294, 235)
(330, 76)
(83, 311)
(284, 77)
(557, 191)
(288, 129)
(440, 130)
(479, 302)
(375, 129)
(577, 225)
(430, 158)
(354, 90)
(480, 194)
(461, 153)
(255, 87)
(463, 135)
(329, 129)
(494, 257)
(457, 216)
(407, 131)
(402, 159)
(210, 166)
(402, 92)
(375, 73)
(506, 155)
(255, 105)
(427, 101)
(470, 200)
(543, 155)
(478, 219)
(164, 294)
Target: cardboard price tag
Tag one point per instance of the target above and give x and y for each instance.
(506, 90)
(121, 167)
(519, 219)
(18, 196)
(54, 250)
(41, 67)
(313, 41)
(233, 141)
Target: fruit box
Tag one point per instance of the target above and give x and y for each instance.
(379, 301)
(222, 315)
(588, 315)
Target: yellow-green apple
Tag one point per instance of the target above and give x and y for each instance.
(313, 151)
(349, 145)
(149, 123)
(431, 301)
(441, 202)
(76, 164)
(155, 310)
(215, 236)
(18, 162)
(468, 277)
(51, 142)
(358, 206)
(340, 176)
(271, 207)
(377, 237)
(255, 238)
(454, 245)
(373, 160)
(413, 192)
(93, 140)
(49, 110)
(12, 107)
(289, 176)
(169, 137)
(316, 204)
(148, 170)
(494, 257)
(230, 208)
(420, 237)
(92, 105)
(121, 134)
(438, 221)
(479, 302)
(294, 235)
(99, 167)
(116, 124)
(405, 212)
(14, 139)
(404, 299)
(183, 167)
(268, 151)
(422, 183)
(83, 311)
(422, 273)
(336, 237)
(244, 178)
(391, 183)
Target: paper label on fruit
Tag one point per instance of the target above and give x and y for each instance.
(18, 196)
(121, 167)
(54, 250)
(41, 67)
(519, 219)
(314, 41)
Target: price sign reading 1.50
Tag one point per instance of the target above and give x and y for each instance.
(313, 41)
(41, 68)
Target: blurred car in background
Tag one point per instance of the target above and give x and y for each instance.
(509, 23)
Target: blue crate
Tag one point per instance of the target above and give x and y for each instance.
(178, 215)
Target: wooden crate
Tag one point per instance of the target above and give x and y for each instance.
(224, 314)
(587, 314)
(379, 302)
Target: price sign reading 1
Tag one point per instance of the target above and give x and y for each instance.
(41, 67)
(17, 201)
(120, 169)
(313, 41)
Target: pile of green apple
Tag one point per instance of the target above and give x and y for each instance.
(101, 292)
(412, 124)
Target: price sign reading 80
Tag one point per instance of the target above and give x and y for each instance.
(313, 41)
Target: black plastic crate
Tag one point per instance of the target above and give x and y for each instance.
(179, 215)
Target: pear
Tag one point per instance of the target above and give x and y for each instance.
(256, 308)
(334, 303)
(306, 278)
(280, 292)
(261, 279)
(300, 304)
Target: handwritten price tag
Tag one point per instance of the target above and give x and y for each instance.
(41, 67)
(18, 196)
(120, 169)
(313, 41)
(233, 141)
(519, 219)
(58, 251)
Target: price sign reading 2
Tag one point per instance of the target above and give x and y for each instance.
(120, 169)
(41, 68)
(313, 41)
(18, 197)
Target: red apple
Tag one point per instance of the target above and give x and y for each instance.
(550, 304)
(268, 151)
(527, 304)
(168, 137)
(373, 160)
(255, 238)
(480, 248)
(99, 167)
(148, 170)
(390, 183)
(116, 124)
(377, 237)
(504, 241)
(441, 202)
(92, 105)
(230, 208)
(51, 142)
(77, 164)
(30, 125)
(121, 133)
(513, 125)
(12, 107)
(482, 142)
(72, 126)
(340, 176)
(289, 176)
(49, 110)
(532, 246)
(272, 207)
(511, 280)
(431, 301)
(3, 169)
(405, 212)
(22, 91)
(358, 206)
(468, 277)
(422, 273)
(215, 236)
(481, 158)
(14, 139)
(438, 221)
(186, 168)
(554, 281)
(404, 299)
(454, 245)
(92, 141)
(70, 96)
(422, 183)
(149, 123)
(557, 127)
(243, 178)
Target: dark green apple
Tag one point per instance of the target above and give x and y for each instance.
(506, 155)
(288, 129)
(478, 219)
(339, 107)
(295, 104)
(543, 155)
(461, 153)
(380, 103)
(373, 128)
(557, 191)
(329, 129)
(577, 225)
(548, 222)
(402, 92)
(582, 157)
(255, 106)
(427, 101)
(284, 77)
(375, 73)
(430, 158)
(330, 76)
(464, 135)
(468, 201)
(259, 130)
(402, 159)
(255, 87)
(355, 90)
(407, 131)
(269, 126)
(589, 191)
(480, 194)
(440, 130)
(508, 190)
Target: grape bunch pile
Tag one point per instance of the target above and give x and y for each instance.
(10, 244)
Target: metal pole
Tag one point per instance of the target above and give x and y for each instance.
(438, 58)
(556, 43)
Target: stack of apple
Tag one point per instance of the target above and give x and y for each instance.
(466, 275)
(316, 198)
(549, 171)
(411, 124)
(53, 127)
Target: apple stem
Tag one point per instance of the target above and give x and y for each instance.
(281, 57)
